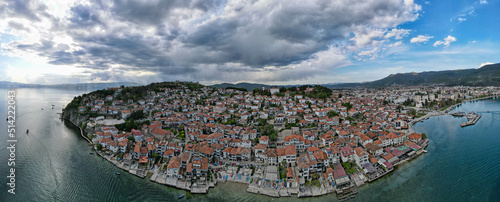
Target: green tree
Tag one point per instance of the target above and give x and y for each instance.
(332, 113)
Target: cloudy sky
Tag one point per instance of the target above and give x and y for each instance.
(264, 41)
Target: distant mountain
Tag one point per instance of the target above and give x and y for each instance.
(90, 86)
(248, 86)
(251, 86)
(6, 84)
(73, 86)
(488, 75)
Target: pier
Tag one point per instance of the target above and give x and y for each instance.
(472, 119)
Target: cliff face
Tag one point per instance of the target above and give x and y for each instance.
(73, 116)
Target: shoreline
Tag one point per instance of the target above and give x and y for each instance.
(252, 187)
(445, 111)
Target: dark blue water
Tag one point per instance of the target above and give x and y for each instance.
(54, 164)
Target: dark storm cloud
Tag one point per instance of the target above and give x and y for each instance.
(190, 38)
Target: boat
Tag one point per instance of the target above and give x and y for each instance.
(251, 180)
(458, 114)
(42, 108)
(117, 173)
(91, 152)
(180, 196)
(27, 131)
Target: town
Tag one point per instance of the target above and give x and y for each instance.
(300, 140)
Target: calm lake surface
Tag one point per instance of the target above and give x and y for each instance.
(53, 161)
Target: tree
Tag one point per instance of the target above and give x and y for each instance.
(424, 136)
(340, 95)
(348, 105)
(332, 113)
(99, 147)
(413, 112)
(137, 115)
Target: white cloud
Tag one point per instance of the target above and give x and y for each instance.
(397, 33)
(483, 2)
(447, 41)
(427, 2)
(485, 63)
(398, 43)
(420, 39)
(461, 19)
(181, 38)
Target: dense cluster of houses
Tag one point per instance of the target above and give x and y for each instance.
(372, 134)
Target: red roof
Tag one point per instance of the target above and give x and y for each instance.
(290, 150)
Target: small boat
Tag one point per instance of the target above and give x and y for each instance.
(117, 173)
(180, 196)
(91, 152)
(42, 108)
(27, 131)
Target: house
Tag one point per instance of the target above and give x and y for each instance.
(340, 177)
(259, 150)
(307, 165)
(281, 154)
(374, 149)
(295, 140)
(329, 172)
(264, 140)
(271, 156)
(123, 145)
(347, 153)
(138, 136)
(333, 154)
(137, 151)
(113, 146)
(126, 114)
(160, 134)
(291, 154)
(274, 90)
(415, 137)
(361, 156)
(173, 167)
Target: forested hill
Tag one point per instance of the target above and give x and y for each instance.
(488, 75)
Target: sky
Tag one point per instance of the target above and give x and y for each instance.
(258, 41)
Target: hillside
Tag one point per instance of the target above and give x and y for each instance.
(248, 86)
(488, 75)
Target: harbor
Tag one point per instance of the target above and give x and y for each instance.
(472, 118)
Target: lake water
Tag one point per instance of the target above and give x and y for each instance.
(53, 162)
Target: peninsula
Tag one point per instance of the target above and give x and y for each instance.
(305, 141)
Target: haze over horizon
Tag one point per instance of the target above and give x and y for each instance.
(262, 41)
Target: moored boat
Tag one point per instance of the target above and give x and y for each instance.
(180, 196)
(117, 173)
